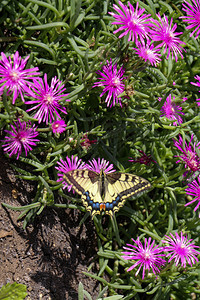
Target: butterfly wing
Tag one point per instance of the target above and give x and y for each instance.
(87, 184)
(119, 187)
(115, 188)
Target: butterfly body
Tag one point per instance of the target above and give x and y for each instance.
(105, 191)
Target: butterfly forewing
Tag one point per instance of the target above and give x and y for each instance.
(80, 179)
(131, 185)
(120, 187)
(92, 195)
(87, 184)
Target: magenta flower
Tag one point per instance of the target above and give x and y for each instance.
(144, 159)
(194, 191)
(172, 111)
(189, 155)
(22, 136)
(86, 143)
(132, 22)
(70, 164)
(164, 33)
(193, 16)
(112, 80)
(99, 165)
(180, 249)
(47, 99)
(58, 126)
(14, 77)
(147, 256)
(148, 53)
(197, 84)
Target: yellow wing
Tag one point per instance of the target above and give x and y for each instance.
(103, 191)
(119, 187)
(87, 184)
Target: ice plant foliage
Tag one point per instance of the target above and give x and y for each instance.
(112, 81)
(180, 249)
(118, 131)
(47, 99)
(148, 257)
(172, 111)
(100, 164)
(197, 84)
(22, 136)
(148, 53)
(193, 190)
(189, 155)
(164, 33)
(132, 22)
(70, 164)
(58, 126)
(14, 77)
(193, 16)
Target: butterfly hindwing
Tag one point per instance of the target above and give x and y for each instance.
(101, 191)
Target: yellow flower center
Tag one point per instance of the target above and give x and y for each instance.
(48, 99)
(14, 75)
(146, 255)
(116, 81)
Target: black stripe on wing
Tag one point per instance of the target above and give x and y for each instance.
(69, 177)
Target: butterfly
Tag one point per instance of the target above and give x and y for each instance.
(105, 191)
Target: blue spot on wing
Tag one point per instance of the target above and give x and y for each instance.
(94, 205)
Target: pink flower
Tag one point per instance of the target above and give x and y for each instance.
(180, 249)
(99, 165)
(197, 84)
(147, 256)
(164, 33)
(194, 191)
(22, 136)
(193, 16)
(70, 164)
(48, 97)
(58, 126)
(14, 77)
(189, 155)
(148, 53)
(132, 22)
(144, 159)
(172, 111)
(112, 80)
